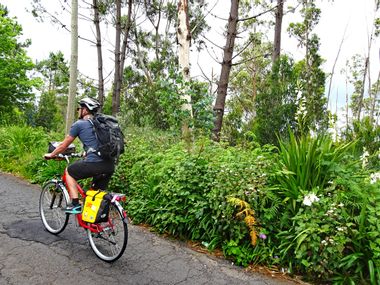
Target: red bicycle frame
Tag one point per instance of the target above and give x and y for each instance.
(95, 228)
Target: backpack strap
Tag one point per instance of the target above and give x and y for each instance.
(91, 150)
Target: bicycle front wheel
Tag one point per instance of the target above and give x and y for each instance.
(53, 200)
(110, 243)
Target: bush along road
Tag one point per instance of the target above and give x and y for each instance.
(31, 255)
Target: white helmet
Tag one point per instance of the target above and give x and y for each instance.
(90, 103)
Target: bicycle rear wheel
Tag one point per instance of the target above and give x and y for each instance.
(53, 200)
(110, 243)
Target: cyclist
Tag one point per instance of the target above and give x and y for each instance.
(91, 165)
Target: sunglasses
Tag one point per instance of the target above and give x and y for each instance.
(79, 108)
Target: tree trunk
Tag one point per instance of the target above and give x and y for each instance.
(99, 51)
(277, 30)
(374, 99)
(73, 66)
(116, 83)
(363, 87)
(125, 41)
(184, 37)
(226, 68)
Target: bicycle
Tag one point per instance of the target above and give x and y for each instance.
(108, 240)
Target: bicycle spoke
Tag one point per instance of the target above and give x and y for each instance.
(51, 201)
(110, 243)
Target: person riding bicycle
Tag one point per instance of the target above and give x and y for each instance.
(92, 165)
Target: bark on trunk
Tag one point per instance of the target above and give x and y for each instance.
(125, 41)
(184, 37)
(226, 68)
(277, 30)
(117, 87)
(99, 52)
(73, 66)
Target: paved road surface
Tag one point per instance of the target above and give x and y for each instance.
(30, 255)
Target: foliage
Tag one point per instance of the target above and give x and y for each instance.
(367, 136)
(308, 207)
(55, 73)
(248, 82)
(180, 192)
(159, 104)
(308, 164)
(276, 105)
(309, 72)
(19, 145)
(15, 84)
(48, 115)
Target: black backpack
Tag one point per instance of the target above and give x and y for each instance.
(109, 135)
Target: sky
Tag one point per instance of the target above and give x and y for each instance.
(348, 19)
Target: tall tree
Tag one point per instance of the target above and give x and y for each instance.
(125, 31)
(95, 6)
(55, 73)
(73, 66)
(311, 76)
(226, 68)
(277, 30)
(184, 37)
(117, 74)
(15, 84)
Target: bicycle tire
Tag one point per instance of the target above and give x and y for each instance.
(109, 245)
(53, 200)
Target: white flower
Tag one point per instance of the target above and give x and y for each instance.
(364, 157)
(310, 199)
(375, 177)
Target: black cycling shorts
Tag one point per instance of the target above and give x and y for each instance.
(100, 171)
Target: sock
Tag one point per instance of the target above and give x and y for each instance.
(75, 201)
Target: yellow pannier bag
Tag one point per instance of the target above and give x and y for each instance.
(96, 207)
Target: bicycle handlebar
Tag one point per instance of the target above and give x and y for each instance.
(70, 155)
(64, 156)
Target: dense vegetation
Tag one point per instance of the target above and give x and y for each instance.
(309, 206)
(278, 189)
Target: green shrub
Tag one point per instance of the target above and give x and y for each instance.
(19, 145)
(310, 207)
(184, 192)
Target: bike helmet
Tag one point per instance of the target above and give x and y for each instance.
(90, 103)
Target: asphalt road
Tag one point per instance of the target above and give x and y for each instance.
(30, 255)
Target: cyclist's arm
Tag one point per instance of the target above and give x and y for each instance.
(61, 147)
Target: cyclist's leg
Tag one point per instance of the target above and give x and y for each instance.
(101, 180)
(71, 185)
(77, 170)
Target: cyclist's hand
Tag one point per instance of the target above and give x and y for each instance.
(49, 156)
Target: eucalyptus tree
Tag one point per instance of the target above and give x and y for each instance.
(184, 40)
(226, 68)
(97, 10)
(251, 70)
(277, 30)
(153, 53)
(311, 77)
(73, 67)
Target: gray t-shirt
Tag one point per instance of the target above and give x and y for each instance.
(84, 130)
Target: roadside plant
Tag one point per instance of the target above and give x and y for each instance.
(307, 163)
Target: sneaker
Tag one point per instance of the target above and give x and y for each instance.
(73, 209)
